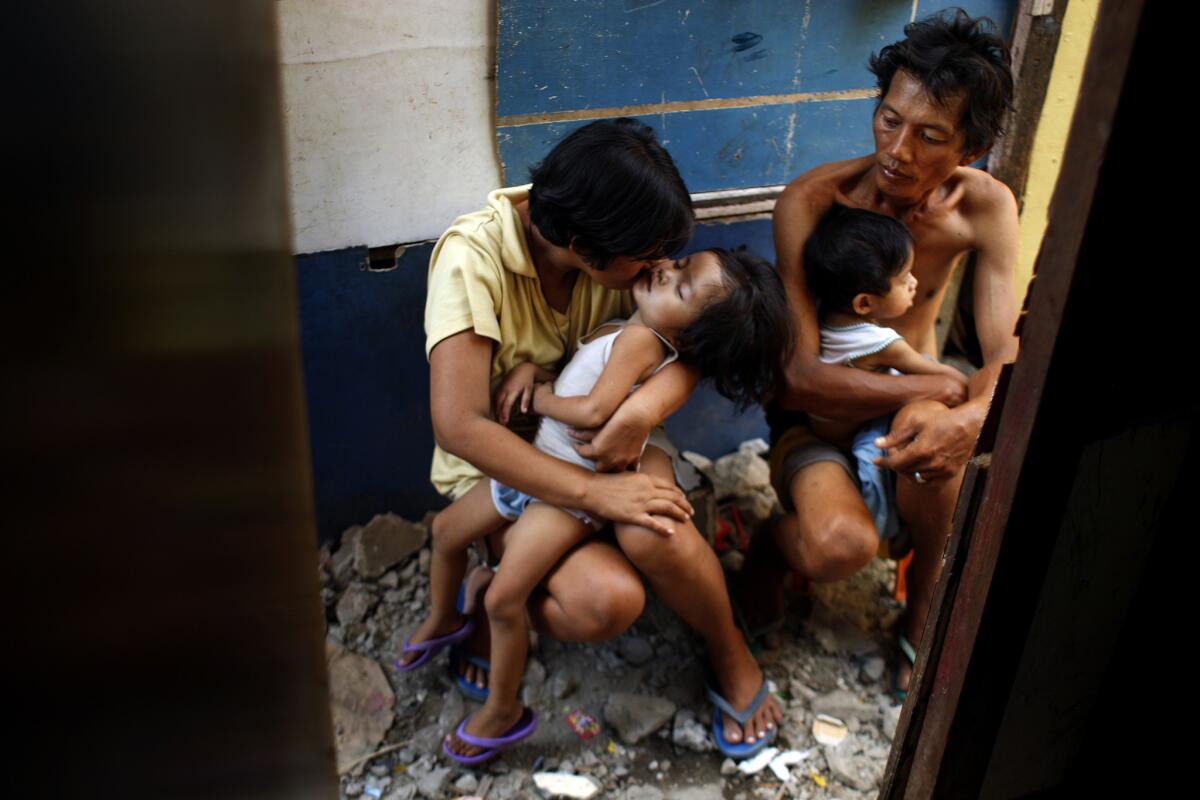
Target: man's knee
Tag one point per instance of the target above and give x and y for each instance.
(839, 546)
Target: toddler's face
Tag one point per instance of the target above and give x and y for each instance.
(900, 296)
(671, 296)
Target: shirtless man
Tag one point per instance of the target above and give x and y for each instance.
(944, 90)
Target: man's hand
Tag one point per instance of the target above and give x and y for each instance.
(616, 446)
(928, 439)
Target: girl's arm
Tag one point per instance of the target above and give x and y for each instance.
(518, 384)
(900, 356)
(459, 375)
(636, 351)
(618, 445)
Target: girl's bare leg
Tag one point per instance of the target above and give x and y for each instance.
(534, 544)
(686, 574)
(467, 519)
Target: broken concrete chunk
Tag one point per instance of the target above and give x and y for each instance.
(850, 765)
(561, 784)
(341, 563)
(637, 716)
(430, 785)
(690, 733)
(845, 705)
(355, 603)
(386, 541)
(635, 649)
(361, 700)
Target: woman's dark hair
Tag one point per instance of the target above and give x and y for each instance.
(611, 190)
(853, 251)
(951, 53)
(741, 341)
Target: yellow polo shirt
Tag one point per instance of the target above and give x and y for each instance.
(481, 278)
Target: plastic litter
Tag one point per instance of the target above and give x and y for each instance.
(564, 784)
(757, 764)
(584, 724)
(829, 730)
(780, 763)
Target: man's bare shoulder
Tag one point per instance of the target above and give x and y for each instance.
(816, 190)
(984, 198)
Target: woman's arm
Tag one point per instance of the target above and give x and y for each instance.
(459, 376)
(635, 353)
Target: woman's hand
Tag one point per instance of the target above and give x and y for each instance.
(645, 500)
(517, 386)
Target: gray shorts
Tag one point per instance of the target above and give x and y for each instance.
(798, 448)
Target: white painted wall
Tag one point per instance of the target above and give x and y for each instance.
(389, 115)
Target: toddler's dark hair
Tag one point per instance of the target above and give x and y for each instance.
(854, 251)
(740, 341)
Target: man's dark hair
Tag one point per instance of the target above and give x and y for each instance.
(951, 53)
(740, 341)
(854, 251)
(611, 190)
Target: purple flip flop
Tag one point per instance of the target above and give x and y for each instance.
(525, 726)
(428, 649)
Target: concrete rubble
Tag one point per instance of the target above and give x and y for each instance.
(648, 736)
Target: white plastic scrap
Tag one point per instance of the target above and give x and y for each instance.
(779, 765)
(757, 764)
(564, 784)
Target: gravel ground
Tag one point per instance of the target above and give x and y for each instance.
(644, 690)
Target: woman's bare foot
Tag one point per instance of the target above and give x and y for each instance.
(479, 643)
(739, 679)
(490, 722)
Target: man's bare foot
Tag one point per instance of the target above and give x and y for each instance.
(490, 722)
(740, 679)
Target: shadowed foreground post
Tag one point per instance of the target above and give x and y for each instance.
(166, 628)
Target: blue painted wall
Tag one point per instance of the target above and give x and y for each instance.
(623, 55)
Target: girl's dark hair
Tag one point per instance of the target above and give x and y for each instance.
(854, 251)
(951, 53)
(741, 341)
(611, 190)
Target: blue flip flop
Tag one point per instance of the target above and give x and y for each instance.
(465, 687)
(430, 647)
(909, 652)
(720, 704)
(524, 727)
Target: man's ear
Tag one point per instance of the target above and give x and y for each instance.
(862, 304)
(971, 158)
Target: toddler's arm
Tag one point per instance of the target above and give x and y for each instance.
(636, 351)
(900, 356)
(518, 385)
